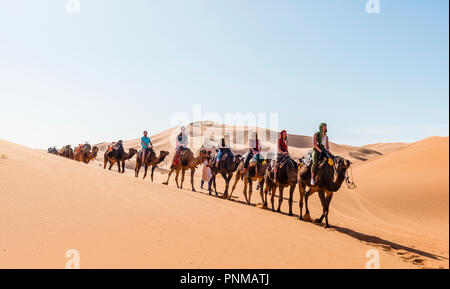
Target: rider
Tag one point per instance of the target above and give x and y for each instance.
(282, 150)
(254, 149)
(320, 148)
(146, 143)
(182, 141)
(224, 146)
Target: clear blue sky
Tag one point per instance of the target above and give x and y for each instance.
(119, 67)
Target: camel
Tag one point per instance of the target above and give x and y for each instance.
(150, 160)
(67, 152)
(255, 172)
(116, 153)
(83, 153)
(328, 179)
(53, 151)
(226, 167)
(187, 161)
(286, 177)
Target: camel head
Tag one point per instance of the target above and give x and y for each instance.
(237, 161)
(94, 153)
(340, 168)
(163, 154)
(342, 165)
(202, 155)
(132, 152)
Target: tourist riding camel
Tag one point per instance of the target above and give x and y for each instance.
(116, 153)
(148, 160)
(83, 153)
(181, 145)
(282, 151)
(281, 173)
(321, 148)
(224, 148)
(146, 145)
(331, 173)
(67, 152)
(186, 161)
(254, 172)
(225, 164)
(254, 149)
(286, 176)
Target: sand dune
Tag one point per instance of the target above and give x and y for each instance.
(50, 204)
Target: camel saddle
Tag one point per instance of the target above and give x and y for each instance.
(115, 145)
(78, 148)
(285, 161)
(144, 151)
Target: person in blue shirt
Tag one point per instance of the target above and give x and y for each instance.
(146, 144)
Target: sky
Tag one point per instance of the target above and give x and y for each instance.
(119, 67)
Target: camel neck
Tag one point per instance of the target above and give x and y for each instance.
(338, 182)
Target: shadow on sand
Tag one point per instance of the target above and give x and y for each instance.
(374, 240)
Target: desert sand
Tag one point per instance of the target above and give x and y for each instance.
(50, 205)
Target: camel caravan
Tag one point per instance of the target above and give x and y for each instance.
(317, 172)
(82, 153)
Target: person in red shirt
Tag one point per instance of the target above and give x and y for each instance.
(282, 150)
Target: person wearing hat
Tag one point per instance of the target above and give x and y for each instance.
(254, 150)
(181, 143)
(320, 148)
(224, 145)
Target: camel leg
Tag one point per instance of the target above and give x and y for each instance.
(301, 189)
(145, 170)
(123, 167)
(291, 198)
(323, 202)
(227, 178)
(245, 191)
(177, 173)
(153, 169)
(182, 178)
(272, 197)
(213, 176)
(261, 192)
(250, 190)
(215, 184)
(280, 197)
(118, 166)
(327, 210)
(168, 177)
(307, 216)
(266, 190)
(236, 180)
(111, 164)
(105, 161)
(137, 168)
(192, 179)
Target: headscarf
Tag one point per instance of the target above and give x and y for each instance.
(321, 127)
